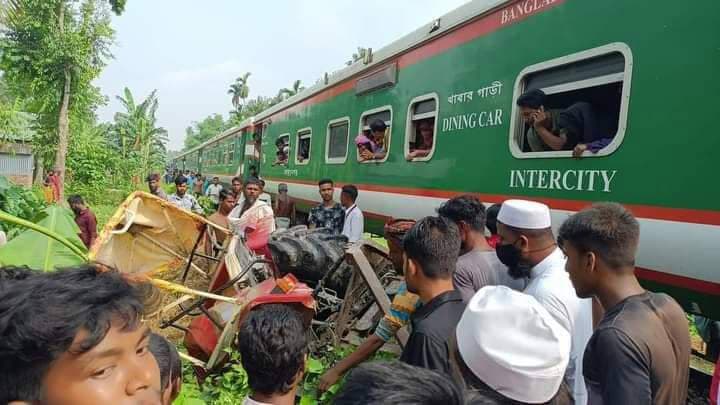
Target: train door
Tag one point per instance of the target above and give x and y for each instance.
(253, 151)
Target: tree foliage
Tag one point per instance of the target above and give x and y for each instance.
(50, 53)
(289, 92)
(135, 133)
(38, 251)
(202, 131)
(118, 155)
(19, 202)
(239, 91)
(243, 108)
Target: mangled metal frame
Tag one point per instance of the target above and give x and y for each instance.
(167, 240)
(364, 273)
(160, 233)
(171, 239)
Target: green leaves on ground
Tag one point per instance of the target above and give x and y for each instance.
(207, 204)
(18, 202)
(231, 385)
(38, 251)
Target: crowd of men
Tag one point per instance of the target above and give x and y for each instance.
(248, 209)
(536, 319)
(500, 311)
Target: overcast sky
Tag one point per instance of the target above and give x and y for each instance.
(190, 51)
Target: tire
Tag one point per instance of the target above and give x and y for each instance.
(310, 254)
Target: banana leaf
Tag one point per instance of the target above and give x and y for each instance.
(35, 250)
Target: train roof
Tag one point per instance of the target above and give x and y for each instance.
(244, 124)
(439, 26)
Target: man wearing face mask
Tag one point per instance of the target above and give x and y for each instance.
(527, 246)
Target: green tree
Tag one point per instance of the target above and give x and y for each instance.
(12, 121)
(251, 108)
(202, 131)
(295, 89)
(239, 91)
(95, 165)
(136, 134)
(50, 53)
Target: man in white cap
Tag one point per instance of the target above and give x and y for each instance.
(527, 246)
(508, 347)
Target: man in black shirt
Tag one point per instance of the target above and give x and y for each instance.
(431, 251)
(639, 353)
(328, 213)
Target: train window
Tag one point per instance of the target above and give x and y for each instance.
(581, 108)
(374, 146)
(231, 150)
(421, 128)
(282, 144)
(336, 142)
(302, 150)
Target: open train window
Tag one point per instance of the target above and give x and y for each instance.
(302, 150)
(336, 142)
(374, 146)
(421, 128)
(282, 150)
(584, 110)
(231, 150)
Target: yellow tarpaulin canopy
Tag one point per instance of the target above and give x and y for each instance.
(150, 236)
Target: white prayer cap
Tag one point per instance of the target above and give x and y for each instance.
(524, 214)
(513, 344)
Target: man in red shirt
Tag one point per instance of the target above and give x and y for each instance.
(85, 220)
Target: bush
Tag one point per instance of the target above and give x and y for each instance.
(20, 202)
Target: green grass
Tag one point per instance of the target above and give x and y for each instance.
(103, 212)
(376, 238)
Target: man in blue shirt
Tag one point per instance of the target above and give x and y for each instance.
(181, 198)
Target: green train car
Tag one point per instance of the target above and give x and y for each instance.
(650, 68)
(223, 156)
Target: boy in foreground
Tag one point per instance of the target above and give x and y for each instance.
(273, 348)
(168, 360)
(74, 336)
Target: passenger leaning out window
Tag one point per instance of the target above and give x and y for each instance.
(283, 151)
(424, 139)
(378, 149)
(577, 127)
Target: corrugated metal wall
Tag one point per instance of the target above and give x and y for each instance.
(16, 164)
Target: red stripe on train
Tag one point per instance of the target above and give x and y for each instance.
(692, 284)
(703, 217)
